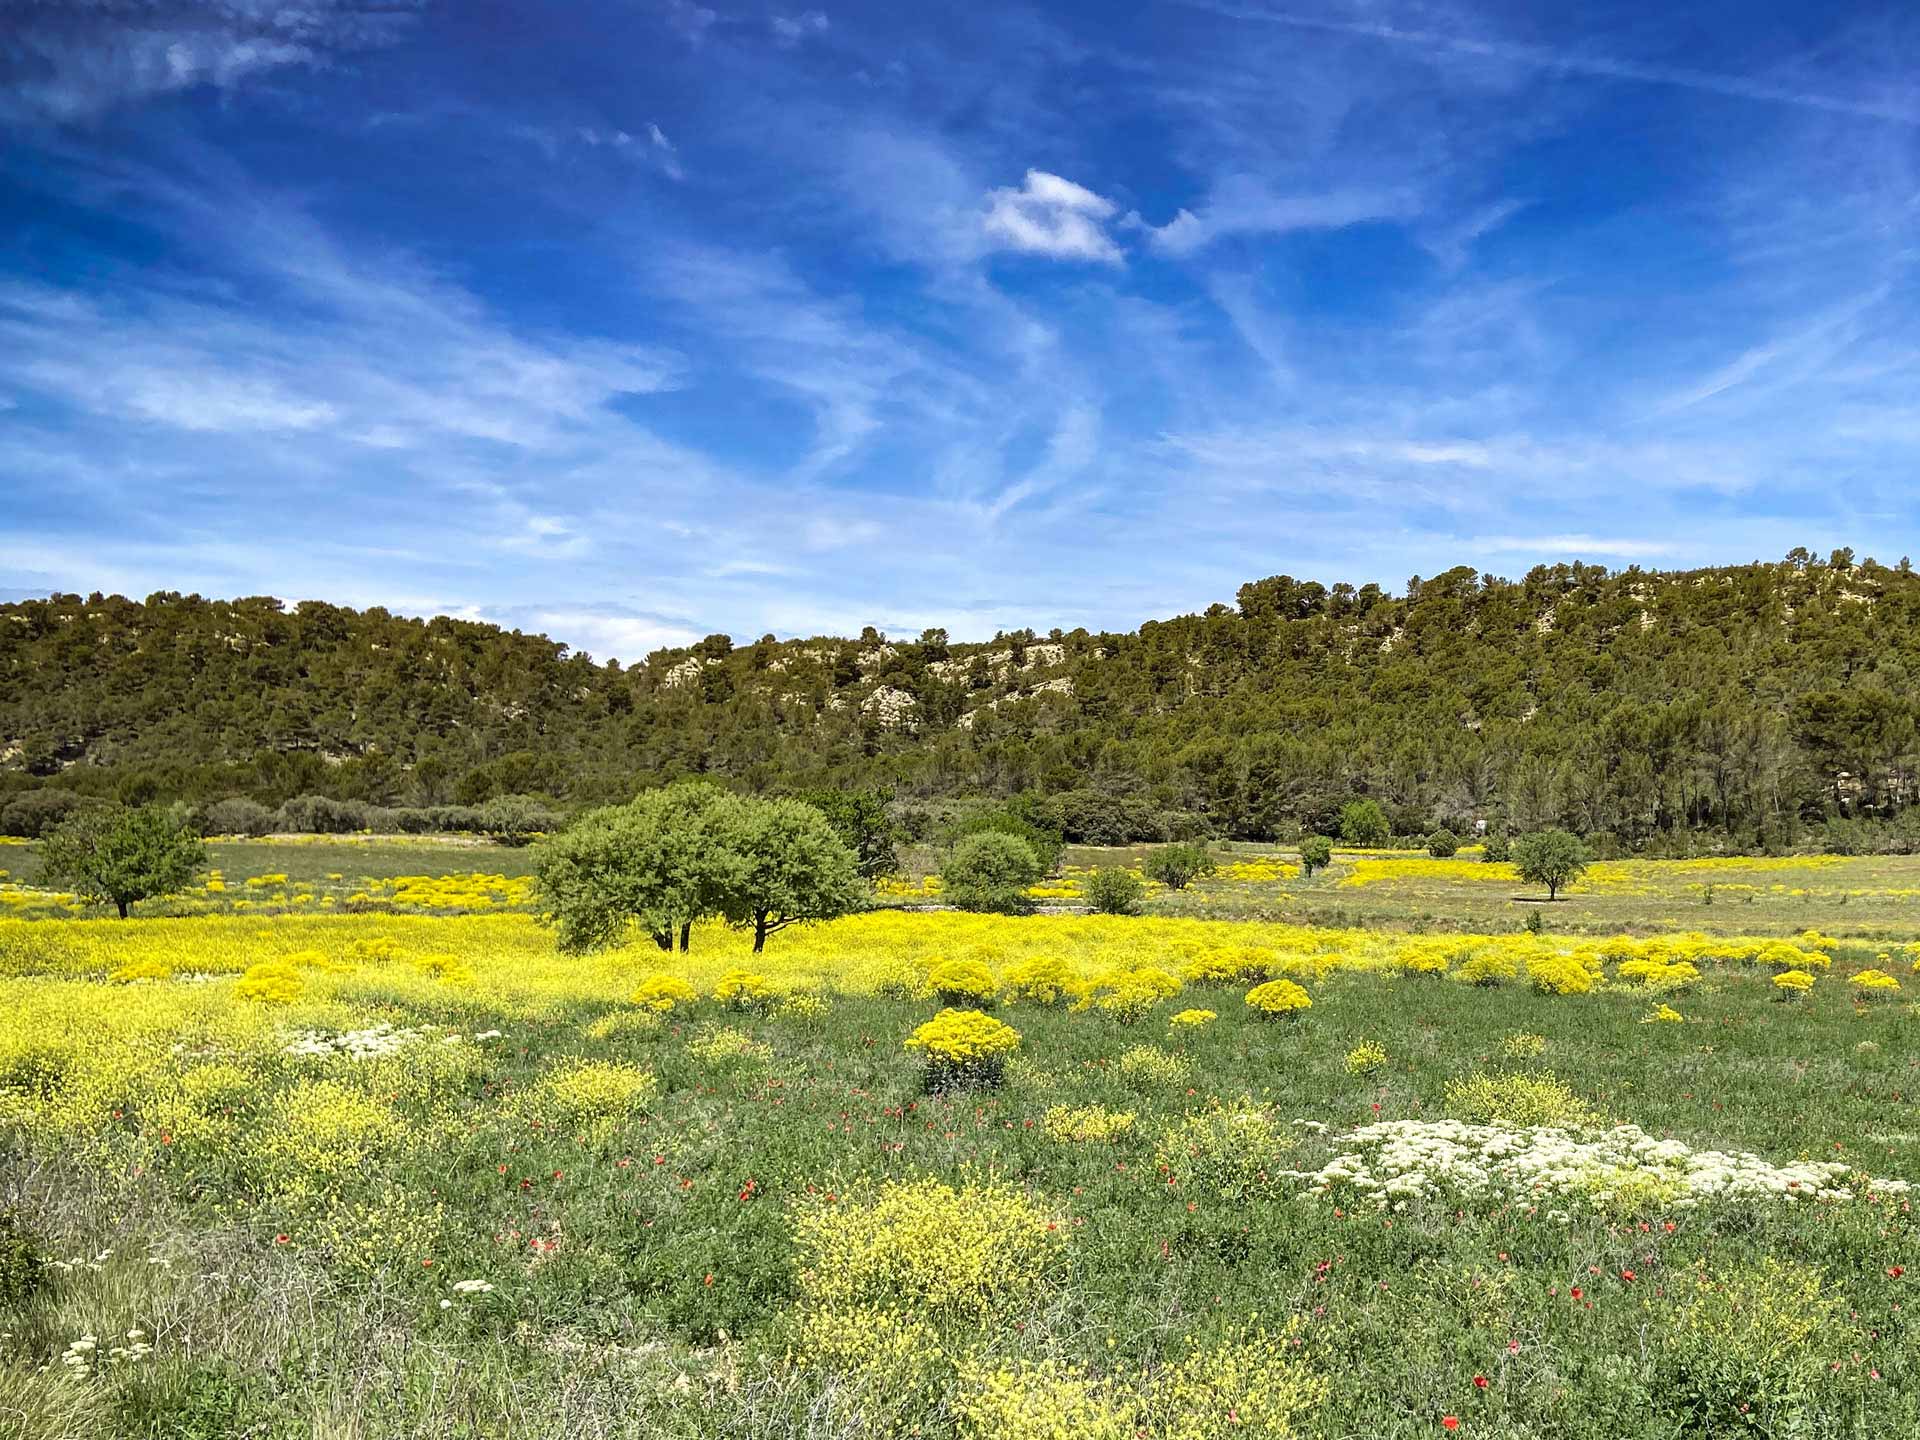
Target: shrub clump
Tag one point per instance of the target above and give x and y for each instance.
(1114, 890)
(593, 1097)
(962, 982)
(743, 990)
(1516, 1101)
(660, 992)
(964, 1048)
(1086, 1124)
(1226, 1150)
(271, 982)
(1043, 980)
(991, 872)
(1279, 1000)
(926, 1246)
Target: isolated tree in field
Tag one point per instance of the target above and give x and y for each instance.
(1316, 853)
(1552, 858)
(1363, 822)
(1178, 866)
(659, 863)
(1443, 844)
(785, 865)
(107, 853)
(990, 871)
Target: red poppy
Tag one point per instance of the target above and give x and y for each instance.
(1896, 1271)
(1479, 1382)
(1449, 1422)
(281, 1239)
(1627, 1275)
(1575, 1292)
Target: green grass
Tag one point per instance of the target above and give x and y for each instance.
(618, 1331)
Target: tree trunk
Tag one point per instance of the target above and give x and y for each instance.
(686, 932)
(664, 939)
(759, 931)
(123, 907)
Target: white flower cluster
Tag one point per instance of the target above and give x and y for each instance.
(372, 1043)
(1395, 1162)
(468, 1287)
(84, 1353)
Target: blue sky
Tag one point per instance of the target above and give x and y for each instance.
(634, 321)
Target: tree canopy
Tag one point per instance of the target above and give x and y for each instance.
(1748, 701)
(113, 855)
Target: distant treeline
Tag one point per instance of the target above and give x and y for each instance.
(1751, 706)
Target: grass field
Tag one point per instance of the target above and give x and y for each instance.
(418, 1175)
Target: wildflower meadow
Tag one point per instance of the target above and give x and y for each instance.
(951, 1175)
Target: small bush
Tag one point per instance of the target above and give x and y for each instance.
(660, 992)
(743, 990)
(964, 1048)
(962, 982)
(1517, 1100)
(1443, 844)
(1178, 866)
(1496, 849)
(991, 872)
(1114, 890)
(23, 1265)
(1316, 853)
(1279, 1000)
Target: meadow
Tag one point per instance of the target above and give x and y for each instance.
(368, 1174)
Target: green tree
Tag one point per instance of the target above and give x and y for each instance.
(110, 854)
(1178, 866)
(659, 862)
(1363, 822)
(860, 818)
(516, 820)
(786, 865)
(1553, 858)
(1497, 850)
(1114, 890)
(1316, 853)
(1443, 844)
(990, 871)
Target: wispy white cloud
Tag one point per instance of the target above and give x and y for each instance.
(1569, 60)
(1247, 205)
(792, 29)
(1051, 216)
(72, 62)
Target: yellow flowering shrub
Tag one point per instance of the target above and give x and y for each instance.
(728, 1046)
(1659, 975)
(1279, 999)
(322, 1131)
(1041, 1400)
(1523, 1045)
(1086, 1124)
(1875, 985)
(1248, 1382)
(1662, 1015)
(1191, 1021)
(1784, 956)
(1230, 965)
(742, 990)
(1129, 995)
(1517, 1100)
(448, 969)
(1559, 975)
(803, 1007)
(1422, 958)
(1149, 1067)
(1791, 984)
(1488, 967)
(964, 1047)
(271, 982)
(1225, 1150)
(593, 1097)
(372, 950)
(625, 1025)
(885, 1349)
(926, 1246)
(1746, 1350)
(1041, 980)
(660, 992)
(1365, 1058)
(962, 982)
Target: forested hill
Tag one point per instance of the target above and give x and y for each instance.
(1751, 698)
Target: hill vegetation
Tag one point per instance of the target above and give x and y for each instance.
(1643, 708)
